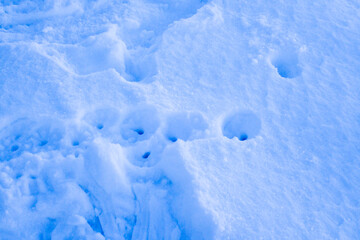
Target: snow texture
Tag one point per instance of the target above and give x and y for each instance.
(144, 119)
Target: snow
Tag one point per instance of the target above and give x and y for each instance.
(144, 119)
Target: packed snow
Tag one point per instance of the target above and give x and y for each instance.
(145, 119)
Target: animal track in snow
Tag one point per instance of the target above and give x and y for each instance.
(243, 125)
(50, 133)
(139, 131)
(96, 53)
(102, 118)
(140, 63)
(287, 64)
(146, 155)
(14, 148)
(30, 135)
(105, 121)
(185, 126)
(143, 146)
(140, 124)
(172, 138)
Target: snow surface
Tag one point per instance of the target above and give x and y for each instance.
(144, 119)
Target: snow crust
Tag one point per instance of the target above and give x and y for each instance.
(144, 119)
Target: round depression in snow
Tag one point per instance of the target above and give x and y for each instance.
(185, 126)
(287, 64)
(243, 125)
(140, 124)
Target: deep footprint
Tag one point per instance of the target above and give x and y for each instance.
(146, 155)
(140, 64)
(242, 125)
(185, 126)
(287, 64)
(140, 124)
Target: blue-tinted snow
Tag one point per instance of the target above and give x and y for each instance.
(144, 119)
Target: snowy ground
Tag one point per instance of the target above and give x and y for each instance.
(145, 119)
